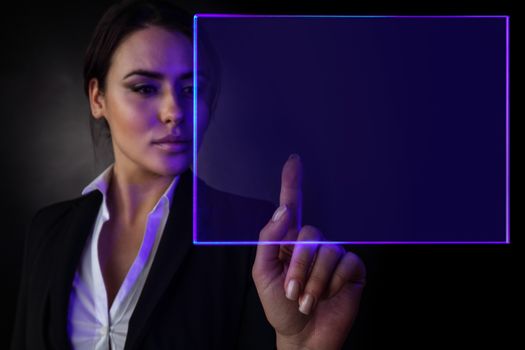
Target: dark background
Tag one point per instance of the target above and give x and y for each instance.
(417, 296)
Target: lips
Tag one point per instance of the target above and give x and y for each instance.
(171, 139)
(172, 143)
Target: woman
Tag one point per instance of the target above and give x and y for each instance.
(115, 268)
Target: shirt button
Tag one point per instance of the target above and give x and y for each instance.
(104, 330)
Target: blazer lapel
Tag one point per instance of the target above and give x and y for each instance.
(70, 244)
(175, 244)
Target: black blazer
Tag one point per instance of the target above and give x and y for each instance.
(195, 297)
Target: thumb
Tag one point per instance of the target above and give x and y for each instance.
(267, 256)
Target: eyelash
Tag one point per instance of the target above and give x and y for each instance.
(140, 89)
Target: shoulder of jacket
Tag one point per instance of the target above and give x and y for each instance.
(54, 211)
(52, 215)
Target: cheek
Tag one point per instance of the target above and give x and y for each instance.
(131, 118)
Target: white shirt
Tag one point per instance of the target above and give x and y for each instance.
(90, 324)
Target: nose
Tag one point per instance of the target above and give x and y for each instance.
(171, 111)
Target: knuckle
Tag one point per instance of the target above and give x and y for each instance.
(353, 268)
(310, 233)
(357, 262)
(351, 258)
(332, 249)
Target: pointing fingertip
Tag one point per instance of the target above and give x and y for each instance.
(294, 156)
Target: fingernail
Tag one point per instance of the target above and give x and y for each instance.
(292, 292)
(279, 212)
(306, 304)
(293, 156)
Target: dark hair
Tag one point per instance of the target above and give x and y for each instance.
(121, 20)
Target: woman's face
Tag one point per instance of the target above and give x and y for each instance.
(149, 97)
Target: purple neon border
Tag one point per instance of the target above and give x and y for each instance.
(352, 242)
(194, 211)
(507, 129)
(226, 15)
(507, 134)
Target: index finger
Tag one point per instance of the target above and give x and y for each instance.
(292, 194)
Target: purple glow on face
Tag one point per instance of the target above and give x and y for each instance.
(433, 242)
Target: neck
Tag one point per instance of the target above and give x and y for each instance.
(133, 193)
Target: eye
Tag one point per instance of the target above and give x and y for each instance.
(188, 90)
(145, 89)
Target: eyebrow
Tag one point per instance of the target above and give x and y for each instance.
(159, 76)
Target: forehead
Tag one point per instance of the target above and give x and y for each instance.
(153, 48)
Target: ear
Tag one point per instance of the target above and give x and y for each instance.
(96, 99)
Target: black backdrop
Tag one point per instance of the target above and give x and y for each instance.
(417, 296)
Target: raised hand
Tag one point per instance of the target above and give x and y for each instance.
(310, 292)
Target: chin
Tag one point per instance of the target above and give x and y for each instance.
(174, 166)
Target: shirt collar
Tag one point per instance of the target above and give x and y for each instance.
(101, 183)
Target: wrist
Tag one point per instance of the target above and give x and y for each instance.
(289, 343)
(294, 343)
